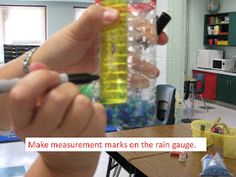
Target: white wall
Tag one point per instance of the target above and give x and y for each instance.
(197, 10)
(162, 6)
(196, 22)
(176, 46)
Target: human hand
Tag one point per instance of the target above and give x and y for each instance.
(75, 48)
(143, 33)
(144, 69)
(61, 111)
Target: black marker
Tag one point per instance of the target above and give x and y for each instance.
(162, 21)
(83, 78)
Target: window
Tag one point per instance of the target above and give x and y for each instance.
(21, 28)
(22, 25)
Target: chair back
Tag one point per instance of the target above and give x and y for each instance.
(186, 89)
(165, 101)
(200, 86)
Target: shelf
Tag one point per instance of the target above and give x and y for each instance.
(215, 45)
(217, 35)
(220, 28)
(218, 24)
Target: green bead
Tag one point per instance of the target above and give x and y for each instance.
(87, 90)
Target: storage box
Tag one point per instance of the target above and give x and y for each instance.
(225, 142)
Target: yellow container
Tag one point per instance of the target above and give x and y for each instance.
(225, 142)
(196, 130)
(229, 146)
(113, 56)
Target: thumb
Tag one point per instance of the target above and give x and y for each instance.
(93, 19)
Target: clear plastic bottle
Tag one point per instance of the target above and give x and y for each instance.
(139, 109)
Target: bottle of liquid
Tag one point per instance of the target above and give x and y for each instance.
(113, 86)
(135, 105)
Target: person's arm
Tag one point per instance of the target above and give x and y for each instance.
(7, 71)
(64, 111)
(72, 50)
(12, 69)
(42, 107)
(39, 169)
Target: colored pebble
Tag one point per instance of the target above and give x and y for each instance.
(135, 113)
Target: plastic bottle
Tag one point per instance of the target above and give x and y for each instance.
(139, 108)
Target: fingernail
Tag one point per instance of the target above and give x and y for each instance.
(153, 73)
(110, 15)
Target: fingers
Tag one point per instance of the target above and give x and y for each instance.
(162, 38)
(63, 111)
(77, 118)
(50, 115)
(145, 68)
(97, 15)
(138, 81)
(145, 28)
(93, 19)
(145, 72)
(22, 98)
(83, 119)
(97, 124)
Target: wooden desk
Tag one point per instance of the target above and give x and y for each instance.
(156, 131)
(161, 164)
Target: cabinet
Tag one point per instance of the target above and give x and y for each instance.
(219, 29)
(226, 88)
(210, 85)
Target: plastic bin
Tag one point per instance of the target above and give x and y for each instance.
(225, 142)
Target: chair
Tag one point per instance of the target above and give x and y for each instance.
(165, 102)
(200, 87)
(194, 87)
(186, 89)
(189, 96)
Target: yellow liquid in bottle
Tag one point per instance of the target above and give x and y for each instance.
(113, 57)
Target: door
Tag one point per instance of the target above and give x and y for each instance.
(232, 90)
(222, 89)
(232, 28)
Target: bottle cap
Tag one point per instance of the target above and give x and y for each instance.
(183, 156)
(162, 21)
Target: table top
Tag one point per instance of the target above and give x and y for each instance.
(191, 79)
(161, 164)
(176, 131)
(214, 71)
